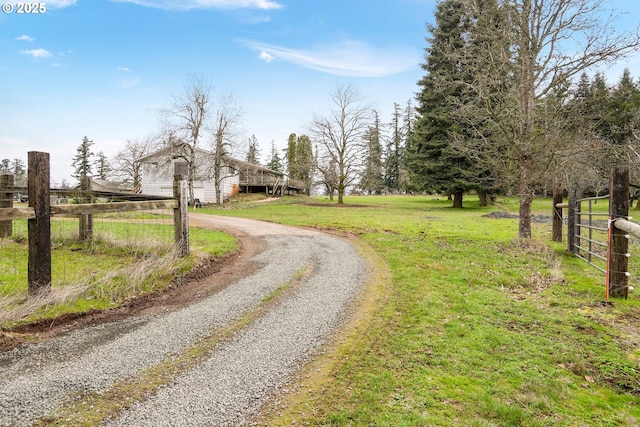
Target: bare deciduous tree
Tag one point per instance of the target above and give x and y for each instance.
(126, 161)
(225, 129)
(328, 174)
(340, 136)
(521, 51)
(186, 120)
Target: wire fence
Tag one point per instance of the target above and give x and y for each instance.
(117, 239)
(101, 225)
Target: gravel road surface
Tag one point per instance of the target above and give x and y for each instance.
(238, 377)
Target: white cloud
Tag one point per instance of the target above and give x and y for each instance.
(349, 58)
(26, 38)
(265, 56)
(61, 3)
(125, 69)
(205, 4)
(37, 53)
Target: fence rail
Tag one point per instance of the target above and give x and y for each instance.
(40, 210)
(613, 231)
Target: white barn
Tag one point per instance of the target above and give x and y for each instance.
(159, 168)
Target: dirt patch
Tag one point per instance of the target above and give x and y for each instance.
(210, 277)
(336, 205)
(504, 215)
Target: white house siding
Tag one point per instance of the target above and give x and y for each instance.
(157, 177)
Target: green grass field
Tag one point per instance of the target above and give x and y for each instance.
(128, 256)
(476, 327)
(462, 324)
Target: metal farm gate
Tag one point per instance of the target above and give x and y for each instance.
(601, 236)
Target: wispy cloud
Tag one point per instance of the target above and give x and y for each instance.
(265, 56)
(37, 53)
(205, 4)
(61, 3)
(25, 38)
(124, 69)
(348, 58)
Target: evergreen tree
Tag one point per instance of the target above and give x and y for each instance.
(393, 158)
(372, 180)
(433, 162)
(300, 160)
(253, 153)
(623, 108)
(292, 153)
(617, 112)
(103, 168)
(409, 118)
(82, 160)
(275, 162)
(18, 169)
(5, 166)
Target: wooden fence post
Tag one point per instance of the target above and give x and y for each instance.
(573, 232)
(6, 201)
(39, 228)
(556, 233)
(181, 215)
(619, 245)
(85, 221)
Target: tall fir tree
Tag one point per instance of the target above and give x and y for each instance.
(82, 160)
(292, 153)
(103, 168)
(275, 161)
(372, 180)
(434, 165)
(253, 152)
(394, 152)
(306, 162)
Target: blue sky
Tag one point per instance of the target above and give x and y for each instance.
(104, 68)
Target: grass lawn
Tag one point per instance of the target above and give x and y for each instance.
(474, 327)
(128, 256)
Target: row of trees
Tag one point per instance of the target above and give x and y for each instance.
(499, 107)
(505, 106)
(355, 149)
(15, 167)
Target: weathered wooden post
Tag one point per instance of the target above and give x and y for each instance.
(181, 215)
(39, 227)
(556, 230)
(86, 220)
(619, 244)
(573, 232)
(6, 201)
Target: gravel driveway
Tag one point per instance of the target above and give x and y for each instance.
(236, 378)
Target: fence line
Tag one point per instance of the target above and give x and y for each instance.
(613, 231)
(39, 212)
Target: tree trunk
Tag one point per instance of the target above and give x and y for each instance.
(484, 198)
(526, 196)
(556, 233)
(457, 199)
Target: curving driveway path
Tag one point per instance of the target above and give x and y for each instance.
(323, 275)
